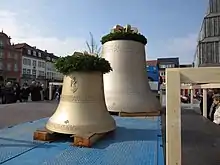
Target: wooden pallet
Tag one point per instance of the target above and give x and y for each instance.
(86, 140)
(137, 114)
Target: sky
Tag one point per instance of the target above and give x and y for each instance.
(62, 27)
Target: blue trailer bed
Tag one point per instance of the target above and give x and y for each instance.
(137, 141)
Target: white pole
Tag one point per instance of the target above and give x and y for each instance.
(50, 91)
(205, 103)
(191, 97)
(161, 95)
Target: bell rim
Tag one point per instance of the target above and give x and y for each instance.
(71, 130)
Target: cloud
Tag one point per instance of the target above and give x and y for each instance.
(20, 31)
(182, 47)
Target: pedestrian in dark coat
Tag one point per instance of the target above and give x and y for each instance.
(209, 102)
(25, 92)
(9, 93)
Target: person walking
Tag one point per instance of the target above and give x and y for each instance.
(216, 101)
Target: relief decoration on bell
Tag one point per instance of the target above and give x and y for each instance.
(74, 84)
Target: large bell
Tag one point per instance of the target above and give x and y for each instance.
(127, 88)
(82, 107)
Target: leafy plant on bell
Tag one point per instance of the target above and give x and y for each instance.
(124, 33)
(82, 62)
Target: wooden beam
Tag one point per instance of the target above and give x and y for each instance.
(207, 86)
(173, 118)
(199, 75)
(191, 97)
(174, 77)
(201, 86)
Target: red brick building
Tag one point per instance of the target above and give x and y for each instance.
(151, 63)
(10, 60)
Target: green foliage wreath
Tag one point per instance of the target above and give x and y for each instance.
(124, 33)
(82, 62)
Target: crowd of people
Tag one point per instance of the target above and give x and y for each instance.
(13, 92)
(213, 106)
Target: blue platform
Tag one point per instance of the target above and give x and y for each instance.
(137, 141)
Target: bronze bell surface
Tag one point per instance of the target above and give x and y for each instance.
(82, 107)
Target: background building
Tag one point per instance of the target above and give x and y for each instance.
(153, 74)
(164, 63)
(152, 70)
(186, 65)
(51, 73)
(10, 60)
(208, 47)
(37, 65)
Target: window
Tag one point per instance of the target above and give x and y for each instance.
(1, 43)
(39, 54)
(41, 64)
(48, 58)
(1, 54)
(29, 62)
(162, 66)
(15, 67)
(28, 71)
(49, 75)
(34, 63)
(15, 56)
(9, 55)
(162, 73)
(8, 66)
(29, 52)
(1, 65)
(34, 53)
(49, 67)
(53, 67)
(26, 61)
(33, 71)
(53, 75)
(169, 66)
(41, 73)
(24, 71)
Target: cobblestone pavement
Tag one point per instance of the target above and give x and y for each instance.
(11, 114)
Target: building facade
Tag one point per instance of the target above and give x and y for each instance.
(10, 60)
(51, 73)
(153, 74)
(208, 47)
(164, 63)
(36, 65)
(152, 70)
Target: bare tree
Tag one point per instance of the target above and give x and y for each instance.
(92, 46)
